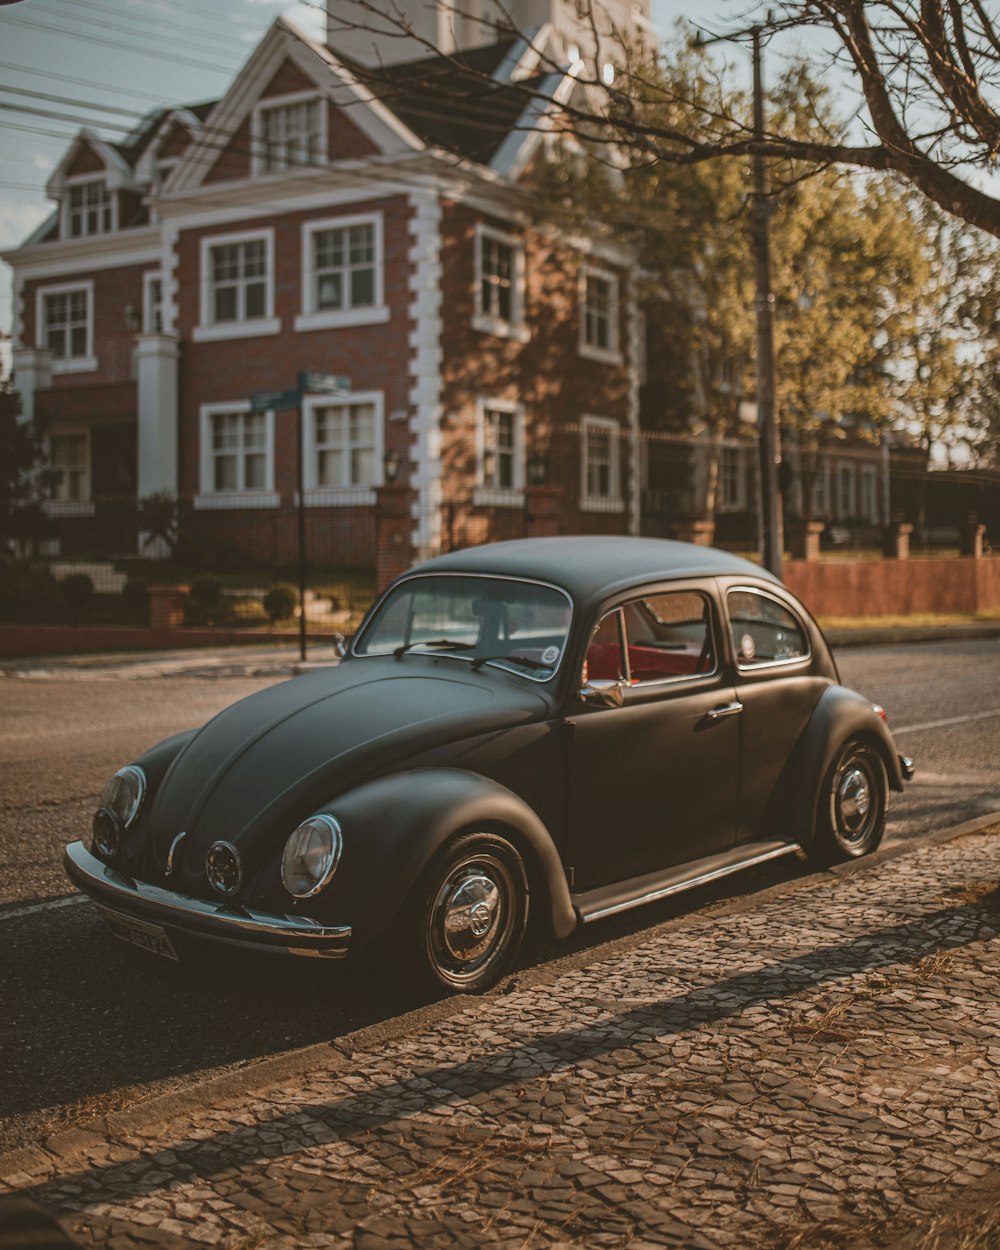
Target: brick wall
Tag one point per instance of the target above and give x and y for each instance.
(895, 587)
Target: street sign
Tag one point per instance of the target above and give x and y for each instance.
(324, 384)
(262, 401)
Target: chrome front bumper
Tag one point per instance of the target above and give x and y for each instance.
(199, 918)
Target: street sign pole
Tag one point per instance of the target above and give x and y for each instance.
(300, 425)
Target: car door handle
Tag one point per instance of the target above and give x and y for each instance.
(725, 709)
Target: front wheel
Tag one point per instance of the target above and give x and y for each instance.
(466, 918)
(853, 805)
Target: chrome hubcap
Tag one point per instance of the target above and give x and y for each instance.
(469, 911)
(854, 802)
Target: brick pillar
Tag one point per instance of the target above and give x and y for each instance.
(896, 541)
(971, 539)
(393, 533)
(542, 508)
(701, 533)
(803, 539)
(166, 606)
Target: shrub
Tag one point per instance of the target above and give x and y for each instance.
(280, 601)
(247, 612)
(78, 590)
(205, 606)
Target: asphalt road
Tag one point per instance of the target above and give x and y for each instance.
(87, 1024)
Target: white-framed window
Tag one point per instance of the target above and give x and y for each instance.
(343, 448)
(237, 286)
(499, 453)
(89, 209)
(237, 457)
(342, 273)
(289, 132)
(869, 493)
(599, 315)
(152, 303)
(65, 325)
(69, 458)
(732, 479)
(600, 465)
(846, 506)
(499, 298)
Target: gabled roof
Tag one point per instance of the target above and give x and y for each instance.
(118, 170)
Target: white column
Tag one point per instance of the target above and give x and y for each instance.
(156, 365)
(32, 372)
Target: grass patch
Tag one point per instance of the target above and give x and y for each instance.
(917, 620)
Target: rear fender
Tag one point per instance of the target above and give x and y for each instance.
(841, 714)
(394, 826)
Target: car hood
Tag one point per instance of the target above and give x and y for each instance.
(268, 761)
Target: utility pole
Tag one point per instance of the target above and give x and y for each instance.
(772, 529)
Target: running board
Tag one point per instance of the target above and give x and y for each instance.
(609, 899)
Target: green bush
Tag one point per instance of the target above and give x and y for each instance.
(30, 595)
(280, 602)
(78, 591)
(205, 605)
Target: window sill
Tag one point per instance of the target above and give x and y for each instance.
(68, 507)
(349, 497)
(603, 355)
(336, 319)
(486, 497)
(75, 364)
(237, 499)
(517, 331)
(236, 330)
(602, 505)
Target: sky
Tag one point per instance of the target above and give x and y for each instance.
(65, 64)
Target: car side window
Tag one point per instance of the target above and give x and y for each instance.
(669, 635)
(764, 631)
(605, 660)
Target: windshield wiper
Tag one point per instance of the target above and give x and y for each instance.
(480, 660)
(444, 644)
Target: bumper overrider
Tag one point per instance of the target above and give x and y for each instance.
(152, 907)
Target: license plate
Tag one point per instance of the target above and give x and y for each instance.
(149, 936)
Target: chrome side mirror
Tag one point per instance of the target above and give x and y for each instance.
(603, 693)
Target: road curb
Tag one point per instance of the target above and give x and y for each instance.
(145, 1117)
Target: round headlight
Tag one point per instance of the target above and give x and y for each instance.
(124, 793)
(108, 832)
(311, 856)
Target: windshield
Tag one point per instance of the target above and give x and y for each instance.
(519, 626)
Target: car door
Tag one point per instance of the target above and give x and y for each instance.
(654, 782)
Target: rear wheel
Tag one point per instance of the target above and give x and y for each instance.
(853, 805)
(466, 918)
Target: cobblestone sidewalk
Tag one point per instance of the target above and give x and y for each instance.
(829, 1059)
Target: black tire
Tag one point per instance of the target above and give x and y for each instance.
(464, 922)
(852, 806)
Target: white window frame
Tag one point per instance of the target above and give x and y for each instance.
(737, 452)
(208, 330)
(272, 104)
(485, 494)
(317, 496)
(149, 305)
(612, 354)
(84, 506)
(85, 180)
(845, 473)
(314, 318)
(86, 363)
(210, 498)
(868, 503)
(601, 503)
(513, 327)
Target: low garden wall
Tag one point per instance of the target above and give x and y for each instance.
(23, 640)
(858, 588)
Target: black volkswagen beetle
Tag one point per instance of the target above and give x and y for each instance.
(585, 723)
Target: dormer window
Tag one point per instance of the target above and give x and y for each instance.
(89, 209)
(290, 133)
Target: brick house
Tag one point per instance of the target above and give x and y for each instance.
(320, 218)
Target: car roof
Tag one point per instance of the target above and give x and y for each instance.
(591, 566)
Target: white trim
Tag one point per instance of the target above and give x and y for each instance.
(208, 496)
(512, 327)
(37, 261)
(499, 496)
(266, 104)
(61, 508)
(208, 329)
(313, 318)
(85, 363)
(153, 275)
(424, 312)
(335, 496)
(612, 502)
(611, 355)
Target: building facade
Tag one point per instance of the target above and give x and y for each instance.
(318, 221)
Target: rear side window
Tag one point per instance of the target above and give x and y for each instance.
(764, 630)
(665, 636)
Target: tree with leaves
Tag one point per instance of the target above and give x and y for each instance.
(23, 480)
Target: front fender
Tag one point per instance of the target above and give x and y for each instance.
(394, 826)
(840, 714)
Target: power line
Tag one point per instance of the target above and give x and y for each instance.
(49, 98)
(85, 82)
(120, 26)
